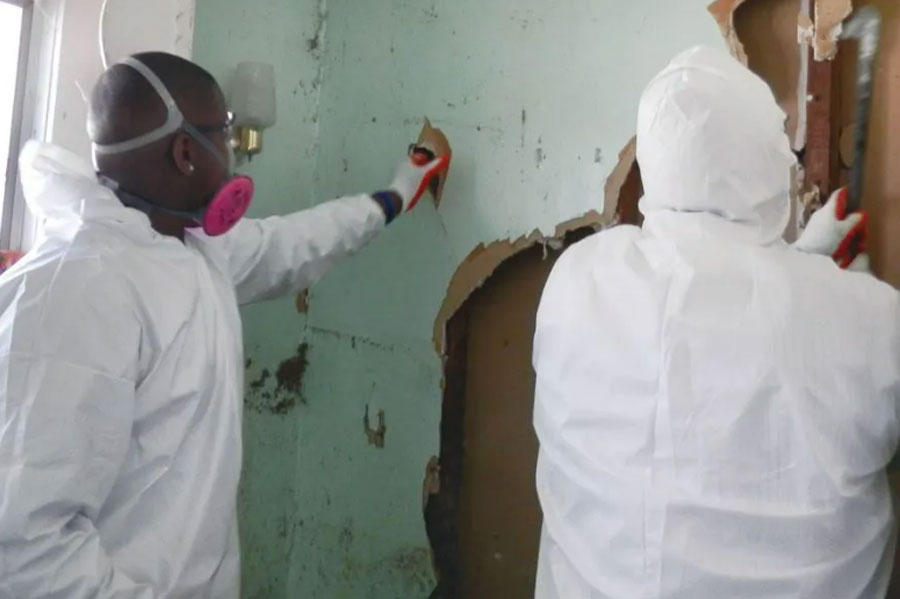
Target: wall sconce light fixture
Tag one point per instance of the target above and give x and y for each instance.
(253, 103)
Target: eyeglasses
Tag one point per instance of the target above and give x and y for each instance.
(225, 127)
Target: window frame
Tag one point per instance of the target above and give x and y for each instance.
(11, 228)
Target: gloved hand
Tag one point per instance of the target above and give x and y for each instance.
(414, 174)
(832, 232)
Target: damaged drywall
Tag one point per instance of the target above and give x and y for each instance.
(766, 35)
(485, 259)
(829, 17)
(776, 38)
(822, 29)
(723, 12)
(767, 32)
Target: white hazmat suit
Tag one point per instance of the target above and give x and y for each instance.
(121, 384)
(715, 408)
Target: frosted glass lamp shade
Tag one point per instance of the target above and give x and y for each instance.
(253, 95)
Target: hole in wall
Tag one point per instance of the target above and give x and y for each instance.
(481, 511)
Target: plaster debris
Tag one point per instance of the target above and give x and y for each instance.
(830, 15)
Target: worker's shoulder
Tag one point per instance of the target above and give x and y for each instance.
(94, 265)
(600, 248)
(841, 289)
(822, 270)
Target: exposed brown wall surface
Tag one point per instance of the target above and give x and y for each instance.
(767, 30)
(500, 516)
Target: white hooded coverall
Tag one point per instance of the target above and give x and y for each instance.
(121, 384)
(715, 408)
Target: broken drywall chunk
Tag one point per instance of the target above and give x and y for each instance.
(723, 12)
(612, 191)
(438, 144)
(830, 16)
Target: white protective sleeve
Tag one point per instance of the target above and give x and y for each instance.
(67, 395)
(276, 256)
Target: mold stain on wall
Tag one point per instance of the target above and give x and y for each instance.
(281, 394)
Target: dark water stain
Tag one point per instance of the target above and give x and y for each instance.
(261, 381)
(290, 372)
(288, 391)
(345, 538)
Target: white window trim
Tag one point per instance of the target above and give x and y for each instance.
(38, 61)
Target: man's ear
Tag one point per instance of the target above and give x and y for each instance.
(183, 153)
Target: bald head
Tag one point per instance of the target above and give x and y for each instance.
(125, 105)
(176, 171)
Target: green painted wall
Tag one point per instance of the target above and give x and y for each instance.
(279, 32)
(537, 98)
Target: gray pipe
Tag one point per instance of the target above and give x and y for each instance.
(865, 26)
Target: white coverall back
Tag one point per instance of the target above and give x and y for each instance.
(715, 409)
(121, 385)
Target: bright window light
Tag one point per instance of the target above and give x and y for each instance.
(10, 29)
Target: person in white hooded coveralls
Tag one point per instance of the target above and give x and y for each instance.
(715, 408)
(121, 368)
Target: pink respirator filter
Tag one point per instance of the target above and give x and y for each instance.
(228, 206)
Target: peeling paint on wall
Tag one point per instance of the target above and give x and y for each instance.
(376, 435)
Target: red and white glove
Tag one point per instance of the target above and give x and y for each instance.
(414, 174)
(832, 232)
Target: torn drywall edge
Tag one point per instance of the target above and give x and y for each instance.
(472, 273)
(829, 16)
(723, 12)
(485, 259)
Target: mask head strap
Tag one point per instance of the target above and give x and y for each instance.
(137, 202)
(174, 118)
(174, 121)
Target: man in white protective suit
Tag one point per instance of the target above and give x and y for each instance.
(716, 408)
(120, 341)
